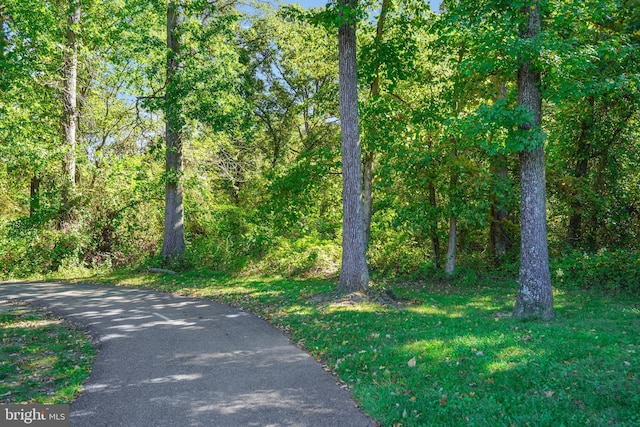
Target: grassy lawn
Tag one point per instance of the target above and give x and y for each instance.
(447, 355)
(42, 358)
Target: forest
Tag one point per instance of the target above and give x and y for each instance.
(221, 135)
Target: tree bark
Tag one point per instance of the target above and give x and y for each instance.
(69, 101)
(535, 297)
(173, 245)
(354, 275)
(450, 265)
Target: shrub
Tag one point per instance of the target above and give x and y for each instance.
(306, 256)
(225, 238)
(606, 270)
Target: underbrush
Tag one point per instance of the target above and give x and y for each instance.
(231, 240)
(608, 271)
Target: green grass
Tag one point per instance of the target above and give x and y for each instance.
(43, 359)
(449, 356)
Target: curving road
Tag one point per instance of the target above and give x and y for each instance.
(167, 360)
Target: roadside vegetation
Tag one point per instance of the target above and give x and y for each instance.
(43, 359)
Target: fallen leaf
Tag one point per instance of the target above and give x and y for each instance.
(411, 363)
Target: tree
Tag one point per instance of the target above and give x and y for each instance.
(535, 297)
(173, 244)
(69, 100)
(354, 274)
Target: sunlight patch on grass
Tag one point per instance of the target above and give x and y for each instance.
(362, 307)
(499, 366)
(477, 343)
(426, 346)
(425, 310)
(507, 359)
(32, 324)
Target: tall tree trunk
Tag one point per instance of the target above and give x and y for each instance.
(535, 297)
(173, 245)
(450, 265)
(354, 275)
(498, 240)
(69, 101)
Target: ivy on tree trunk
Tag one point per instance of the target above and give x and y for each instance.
(173, 245)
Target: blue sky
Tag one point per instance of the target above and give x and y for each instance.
(435, 4)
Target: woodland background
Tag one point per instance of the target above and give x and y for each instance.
(254, 93)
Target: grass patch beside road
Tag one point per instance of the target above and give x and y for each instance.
(451, 356)
(43, 359)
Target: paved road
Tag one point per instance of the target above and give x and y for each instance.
(166, 360)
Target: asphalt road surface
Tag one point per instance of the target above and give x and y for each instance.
(167, 360)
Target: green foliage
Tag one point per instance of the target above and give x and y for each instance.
(614, 271)
(393, 251)
(308, 256)
(226, 239)
(33, 249)
(258, 110)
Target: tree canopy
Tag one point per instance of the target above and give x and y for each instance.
(231, 115)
